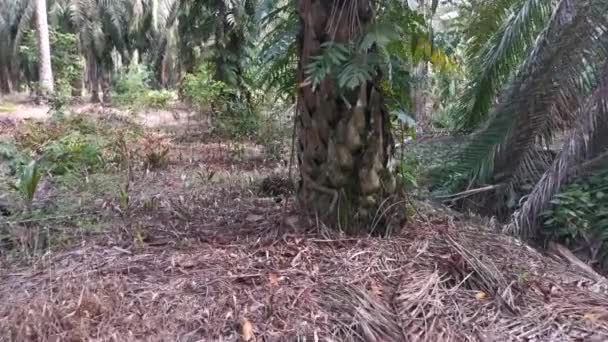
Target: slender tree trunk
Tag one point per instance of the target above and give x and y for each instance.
(419, 97)
(92, 71)
(421, 79)
(344, 139)
(44, 48)
(6, 83)
(76, 85)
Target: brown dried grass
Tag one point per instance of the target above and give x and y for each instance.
(250, 270)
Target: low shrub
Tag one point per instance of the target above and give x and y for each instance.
(130, 86)
(200, 90)
(71, 143)
(579, 219)
(12, 157)
(73, 151)
(27, 183)
(155, 99)
(153, 151)
(134, 90)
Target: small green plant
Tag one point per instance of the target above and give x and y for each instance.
(71, 152)
(243, 125)
(133, 90)
(155, 99)
(57, 103)
(580, 211)
(129, 87)
(14, 158)
(200, 90)
(124, 199)
(579, 218)
(272, 136)
(407, 175)
(28, 181)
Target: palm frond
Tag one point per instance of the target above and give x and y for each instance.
(333, 56)
(24, 22)
(479, 21)
(526, 113)
(498, 57)
(582, 152)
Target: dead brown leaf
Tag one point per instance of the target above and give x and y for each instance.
(375, 288)
(273, 280)
(246, 330)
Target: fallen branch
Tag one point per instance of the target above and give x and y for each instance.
(467, 193)
(575, 261)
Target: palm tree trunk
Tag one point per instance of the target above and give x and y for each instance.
(344, 139)
(92, 73)
(44, 48)
(6, 83)
(106, 80)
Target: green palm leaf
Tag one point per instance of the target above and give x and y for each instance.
(538, 99)
(495, 59)
(583, 150)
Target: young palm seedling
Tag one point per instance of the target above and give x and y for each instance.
(28, 181)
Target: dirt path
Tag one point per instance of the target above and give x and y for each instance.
(201, 256)
(20, 107)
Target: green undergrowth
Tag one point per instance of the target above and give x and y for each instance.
(425, 162)
(133, 90)
(55, 177)
(578, 218)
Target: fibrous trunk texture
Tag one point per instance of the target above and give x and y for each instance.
(44, 48)
(344, 138)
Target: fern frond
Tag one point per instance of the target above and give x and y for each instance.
(332, 56)
(379, 35)
(356, 72)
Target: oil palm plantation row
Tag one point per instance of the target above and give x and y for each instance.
(168, 35)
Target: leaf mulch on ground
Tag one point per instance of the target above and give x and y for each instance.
(258, 273)
(201, 255)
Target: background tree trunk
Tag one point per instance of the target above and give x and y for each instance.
(92, 79)
(422, 112)
(344, 139)
(6, 83)
(420, 100)
(44, 48)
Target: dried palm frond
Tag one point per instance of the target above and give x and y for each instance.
(359, 316)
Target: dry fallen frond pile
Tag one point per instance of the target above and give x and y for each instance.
(444, 279)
